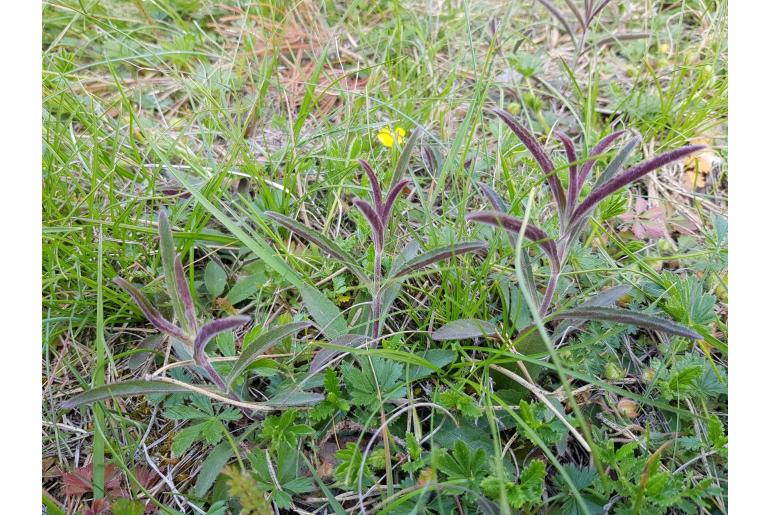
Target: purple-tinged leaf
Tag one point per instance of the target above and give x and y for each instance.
(629, 176)
(122, 389)
(559, 16)
(210, 330)
(625, 316)
(439, 254)
(375, 185)
(150, 312)
(430, 160)
(618, 161)
(496, 200)
(261, 344)
(578, 15)
(464, 329)
(184, 294)
(167, 256)
(378, 231)
(393, 194)
(604, 298)
(323, 356)
(538, 153)
(569, 149)
(513, 225)
(323, 242)
(597, 10)
(598, 150)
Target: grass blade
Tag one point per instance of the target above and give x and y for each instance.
(167, 258)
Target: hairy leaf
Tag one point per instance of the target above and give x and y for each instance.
(323, 356)
(324, 243)
(378, 232)
(184, 294)
(602, 299)
(211, 329)
(150, 312)
(260, 344)
(326, 315)
(512, 224)
(387, 209)
(122, 389)
(539, 154)
(569, 149)
(374, 184)
(438, 254)
(598, 150)
(463, 329)
(294, 398)
(629, 176)
(625, 316)
(617, 161)
(167, 256)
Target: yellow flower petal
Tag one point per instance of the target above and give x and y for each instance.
(400, 133)
(385, 137)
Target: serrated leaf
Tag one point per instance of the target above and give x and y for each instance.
(124, 389)
(185, 438)
(625, 316)
(439, 254)
(464, 329)
(215, 279)
(260, 344)
(211, 468)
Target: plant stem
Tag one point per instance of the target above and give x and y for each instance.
(377, 294)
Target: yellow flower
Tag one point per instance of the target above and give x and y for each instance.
(388, 137)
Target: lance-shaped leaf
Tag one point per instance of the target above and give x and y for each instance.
(629, 176)
(539, 154)
(323, 356)
(618, 161)
(184, 294)
(260, 344)
(496, 200)
(569, 149)
(123, 389)
(378, 232)
(294, 398)
(150, 312)
(605, 298)
(375, 185)
(323, 242)
(514, 225)
(167, 257)
(403, 159)
(598, 150)
(210, 330)
(625, 316)
(438, 254)
(464, 329)
(393, 194)
(392, 286)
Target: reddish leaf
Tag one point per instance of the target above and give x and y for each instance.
(80, 480)
(98, 507)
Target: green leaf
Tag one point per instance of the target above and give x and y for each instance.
(439, 254)
(324, 243)
(625, 316)
(462, 464)
(243, 289)
(185, 438)
(127, 507)
(212, 431)
(260, 344)
(328, 316)
(124, 389)
(294, 398)
(167, 257)
(215, 279)
(464, 329)
(365, 385)
(438, 357)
